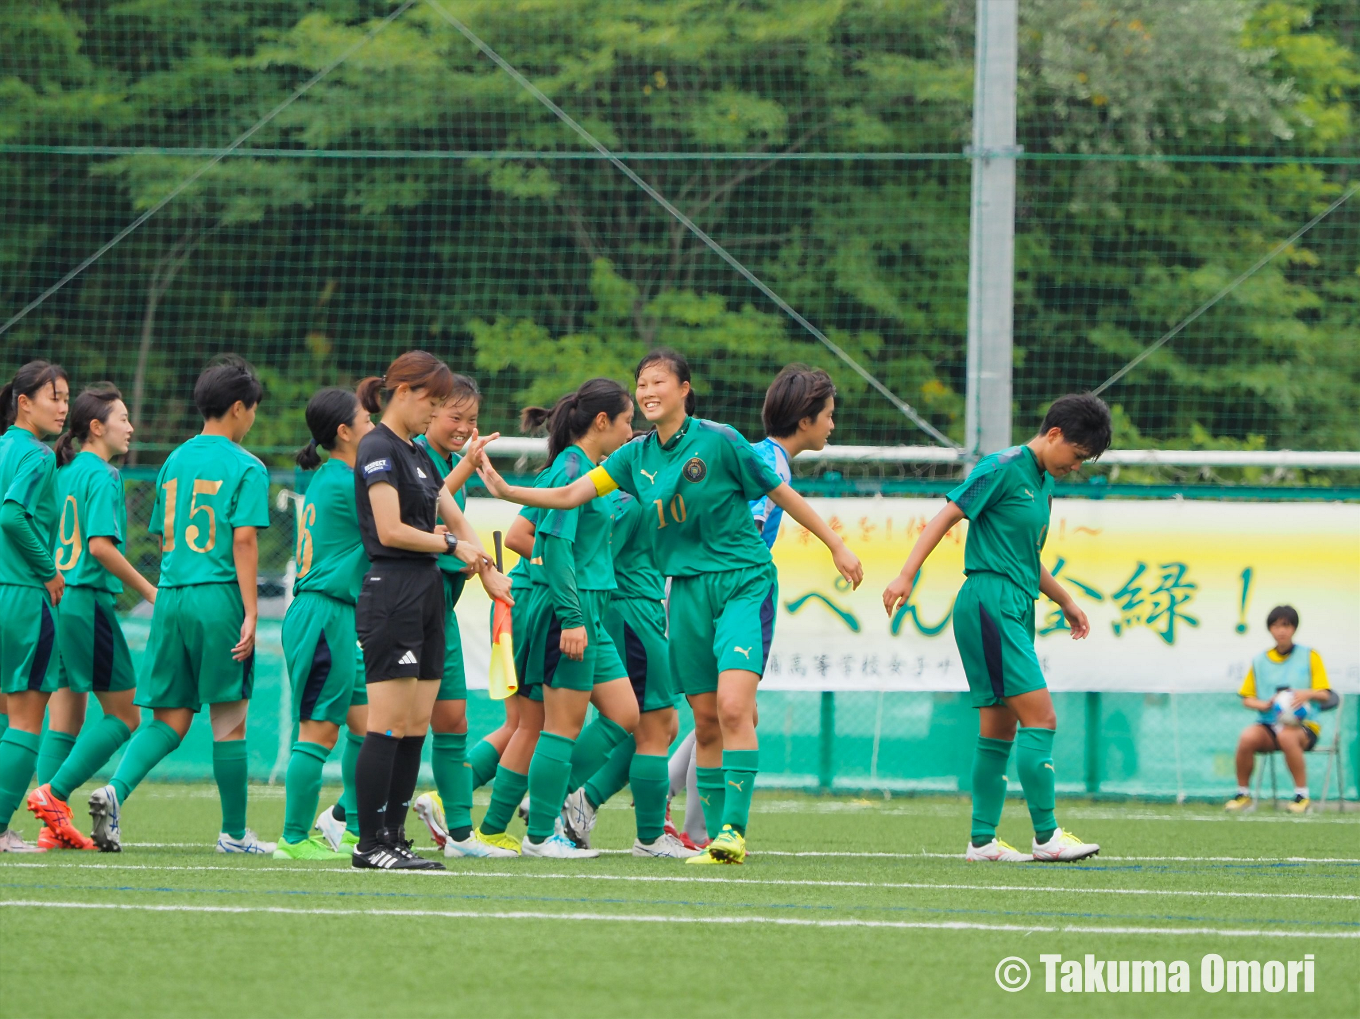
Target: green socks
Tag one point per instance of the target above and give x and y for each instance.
(18, 755)
(506, 794)
(549, 771)
(149, 744)
(302, 789)
(349, 758)
(482, 761)
(229, 769)
(740, 767)
(1034, 760)
(4, 723)
(92, 751)
(453, 779)
(989, 786)
(613, 774)
(712, 793)
(593, 746)
(650, 778)
(56, 747)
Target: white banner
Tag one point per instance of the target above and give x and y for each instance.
(1177, 592)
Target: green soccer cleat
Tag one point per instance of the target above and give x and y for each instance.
(307, 849)
(347, 842)
(501, 840)
(728, 847)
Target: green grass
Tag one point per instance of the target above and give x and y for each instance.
(200, 934)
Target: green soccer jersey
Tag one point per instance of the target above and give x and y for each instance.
(696, 492)
(635, 569)
(28, 476)
(330, 553)
(90, 493)
(1007, 499)
(206, 488)
(587, 527)
(519, 573)
(451, 565)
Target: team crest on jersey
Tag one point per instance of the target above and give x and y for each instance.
(377, 466)
(694, 469)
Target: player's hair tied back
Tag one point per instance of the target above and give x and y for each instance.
(95, 403)
(27, 381)
(418, 369)
(572, 415)
(327, 410)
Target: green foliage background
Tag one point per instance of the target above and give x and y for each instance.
(418, 197)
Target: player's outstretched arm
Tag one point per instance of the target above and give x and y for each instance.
(1061, 597)
(465, 468)
(578, 493)
(106, 551)
(847, 563)
(899, 590)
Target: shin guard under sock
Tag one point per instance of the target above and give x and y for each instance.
(453, 779)
(56, 747)
(507, 792)
(549, 772)
(230, 771)
(739, 767)
(712, 794)
(91, 752)
(302, 789)
(18, 758)
(1034, 761)
(990, 757)
(372, 781)
(647, 775)
(482, 759)
(592, 749)
(349, 758)
(149, 745)
(405, 778)
(613, 775)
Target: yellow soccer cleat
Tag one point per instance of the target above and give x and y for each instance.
(728, 847)
(1240, 803)
(1298, 805)
(501, 840)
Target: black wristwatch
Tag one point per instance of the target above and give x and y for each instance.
(451, 540)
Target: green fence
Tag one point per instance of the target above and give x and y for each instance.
(1159, 746)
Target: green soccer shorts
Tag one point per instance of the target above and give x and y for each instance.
(325, 664)
(637, 627)
(188, 659)
(994, 630)
(548, 666)
(721, 621)
(453, 683)
(94, 652)
(28, 640)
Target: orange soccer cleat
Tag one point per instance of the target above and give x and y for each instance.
(59, 831)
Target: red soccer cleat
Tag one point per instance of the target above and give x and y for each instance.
(59, 831)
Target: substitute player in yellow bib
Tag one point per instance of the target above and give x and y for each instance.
(212, 497)
(33, 405)
(94, 652)
(695, 480)
(1007, 498)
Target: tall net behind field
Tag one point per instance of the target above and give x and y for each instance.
(416, 195)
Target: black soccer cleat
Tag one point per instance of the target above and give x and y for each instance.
(392, 853)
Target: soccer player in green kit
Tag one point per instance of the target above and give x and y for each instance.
(695, 480)
(94, 652)
(212, 497)
(319, 641)
(636, 622)
(32, 406)
(572, 661)
(1007, 499)
(447, 812)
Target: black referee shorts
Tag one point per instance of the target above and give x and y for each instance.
(400, 620)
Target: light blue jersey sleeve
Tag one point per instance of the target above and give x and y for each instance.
(765, 513)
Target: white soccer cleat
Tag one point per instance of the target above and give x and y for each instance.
(578, 818)
(104, 830)
(1064, 847)
(12, 842)
(429, 807)
(475, 846)
(250, 843)
(332, 830)
(996, 851)
(668, 847)
(556, 847)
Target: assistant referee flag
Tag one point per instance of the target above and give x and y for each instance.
(501, 682)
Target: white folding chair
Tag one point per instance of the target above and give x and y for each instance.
(1333, 750)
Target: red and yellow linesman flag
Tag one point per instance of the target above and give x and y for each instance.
(501, 682)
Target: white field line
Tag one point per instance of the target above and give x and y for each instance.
(888, 809)
(765, 882)
(777, 921)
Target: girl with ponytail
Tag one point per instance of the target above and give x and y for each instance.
(319, 631)
(696, 479)
(94, 652)
(32, 406)
(571, 661)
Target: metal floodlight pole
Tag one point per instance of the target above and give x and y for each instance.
(991, 248)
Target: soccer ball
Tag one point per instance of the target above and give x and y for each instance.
(1288, 711)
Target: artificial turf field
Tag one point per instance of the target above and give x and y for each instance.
(847, 907)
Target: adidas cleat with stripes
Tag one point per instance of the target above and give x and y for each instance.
(392, 853)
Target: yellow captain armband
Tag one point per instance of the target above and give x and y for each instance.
(603, 483)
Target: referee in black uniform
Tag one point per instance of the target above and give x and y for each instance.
(400, 613)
